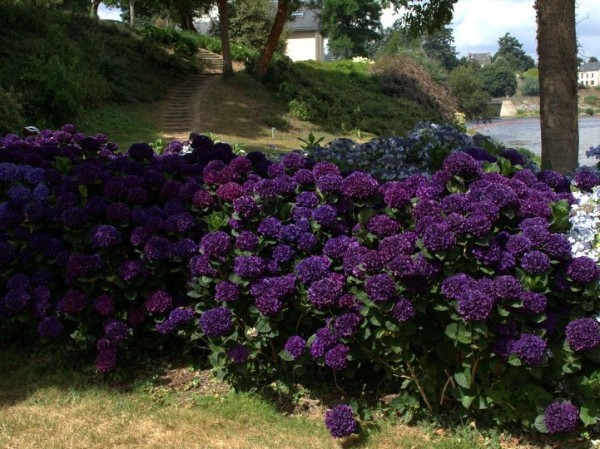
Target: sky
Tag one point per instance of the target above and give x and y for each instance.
(478, 24)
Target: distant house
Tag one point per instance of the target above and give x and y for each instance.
(480, 58)
(305, 41)
(589, 74)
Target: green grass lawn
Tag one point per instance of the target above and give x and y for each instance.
(49, 403)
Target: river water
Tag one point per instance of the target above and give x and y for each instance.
(525, 133)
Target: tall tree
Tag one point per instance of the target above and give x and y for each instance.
(225, 46)
(557, 64)
(350, 26)
(498, 78)
(557, 52)
(273, 40)
(440, 47)
(511, 49)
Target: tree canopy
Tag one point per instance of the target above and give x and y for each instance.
(511, 50)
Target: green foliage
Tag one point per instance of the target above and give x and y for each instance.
(590, 111)
(466, 86)
(439, 46)
(58, 65)
(344, 95)
(592, 100)
(511, 49)
(351, 26)
(498, 78)
(11, 111)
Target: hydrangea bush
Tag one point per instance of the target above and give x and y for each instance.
(422, 150)
(458, 290)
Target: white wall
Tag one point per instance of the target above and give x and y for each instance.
(305, 46)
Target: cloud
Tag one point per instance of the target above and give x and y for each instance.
(109, 13)
(478, 24)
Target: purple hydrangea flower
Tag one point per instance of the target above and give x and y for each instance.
(583, 334)
(293, 162)
(324, 341)
(115, 331)
(74, 301)
(325, 215)
(584, 180)
(340, 421)
(215, 245)
(403, 310)
(533, 302)
(247, 241)
(216, 322)
(307, 199)
(382, 226)
(360, 186)
(518, 244)
(106, 236)
(249, 266)
(474, 305)
(380, 287)
(461, 164)
(395, 195)
(230, 191)
(312, 269)
(324, 293)
(157, 248)
(238, 354)
(336, 358)
(307, 241)
(283, 253)
(404, 243)
(535, 262)
(74, 217)
(583, 270)
(106, 360)
(325, 168)
(50, 327)
(245, 207)
(295, 346)
(180, 222)
(438, 236)
(202, 199)
(104, 305)
(530, 348)
(336, 246)
(270, 227)
(346, 324)
(118, 212)
(227, 291)
(200, 266)
(159, 301)
(268, 305)
(561, 417)
(329, 183)
(304, 177)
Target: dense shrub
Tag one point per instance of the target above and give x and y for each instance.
(344, 95)
(456, 291)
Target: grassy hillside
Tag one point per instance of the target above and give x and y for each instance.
(57, 65)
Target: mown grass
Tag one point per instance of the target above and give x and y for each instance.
(52, 401)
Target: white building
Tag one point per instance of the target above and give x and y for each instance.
(589, 74)
(305, 41)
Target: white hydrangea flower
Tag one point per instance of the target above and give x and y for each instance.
(584, 235)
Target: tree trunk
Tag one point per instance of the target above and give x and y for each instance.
(131, 13)
(224, 22)
(557, 52)
(273, 40)
(94, 9)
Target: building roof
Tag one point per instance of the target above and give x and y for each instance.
(481, 58)
(590, 67)
(304, 20)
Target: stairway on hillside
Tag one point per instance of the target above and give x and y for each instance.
(213, 61)
(180, 108)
